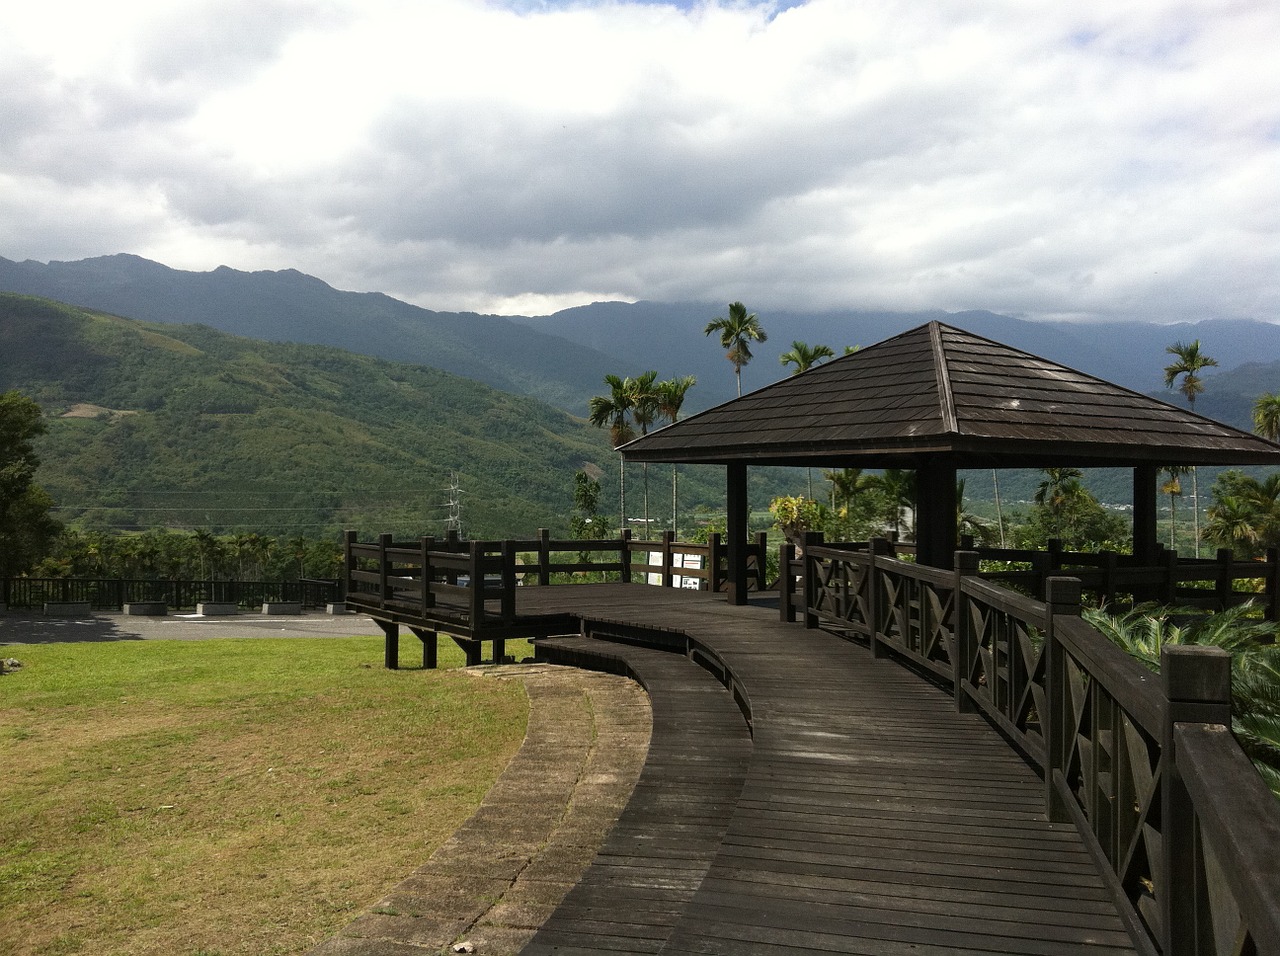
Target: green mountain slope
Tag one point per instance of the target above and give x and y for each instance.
(288, 306)
(186, 426)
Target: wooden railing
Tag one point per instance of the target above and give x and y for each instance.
(473, 583)
(112, 594)
(1111, 578)
(1144, 764)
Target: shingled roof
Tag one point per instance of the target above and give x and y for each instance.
(937, 390)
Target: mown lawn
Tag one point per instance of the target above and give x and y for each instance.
(228, 796)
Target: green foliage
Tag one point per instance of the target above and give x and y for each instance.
(1255, 665)
(795, 515)
(585, 522)
(1066, 510)
(184, 426)
(161, 554)
(26, 526)
(1245, 514)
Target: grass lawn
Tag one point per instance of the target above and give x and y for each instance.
(227, 797)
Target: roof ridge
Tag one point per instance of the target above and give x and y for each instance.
(946, 401)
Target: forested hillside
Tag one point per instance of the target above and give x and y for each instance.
(289, 306)
(183, 426)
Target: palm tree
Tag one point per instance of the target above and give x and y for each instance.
(1173, 488)
(804, 357)
(671, 395)
(1188, 364)
(1245, 516)
(1266, 416)
(644, 410)
(899, 486)
(737, 332)
(614, 410)
(1060, 487)
(1233, 524)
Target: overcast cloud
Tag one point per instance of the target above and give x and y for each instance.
(1035, 157)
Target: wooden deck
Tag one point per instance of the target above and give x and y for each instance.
(873, 817)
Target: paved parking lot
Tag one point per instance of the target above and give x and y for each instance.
(18, 627)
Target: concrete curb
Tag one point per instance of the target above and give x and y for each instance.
(494, 882)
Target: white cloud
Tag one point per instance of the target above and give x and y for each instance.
(1028, 156)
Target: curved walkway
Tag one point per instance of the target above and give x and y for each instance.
(874, 819)
(496, 880)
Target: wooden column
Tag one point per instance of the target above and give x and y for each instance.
(736, 503)
(1145, 545)
(936, 512)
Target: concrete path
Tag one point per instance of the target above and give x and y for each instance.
(498, 878)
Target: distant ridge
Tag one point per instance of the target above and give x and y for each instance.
(562, 358)
(290, 306)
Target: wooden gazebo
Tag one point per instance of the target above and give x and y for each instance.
(937, 400)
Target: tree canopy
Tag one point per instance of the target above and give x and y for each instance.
(737, 332)
(26, 526)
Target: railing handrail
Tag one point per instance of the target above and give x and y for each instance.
(386, 572)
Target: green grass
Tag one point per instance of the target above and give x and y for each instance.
(229, 796)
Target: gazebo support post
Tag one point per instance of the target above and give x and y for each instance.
(1146, 548)
(736, 505)
(936, 512)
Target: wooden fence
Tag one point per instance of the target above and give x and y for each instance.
(1144, 764)
(112, 594)
(1108, 577)
(476, 580)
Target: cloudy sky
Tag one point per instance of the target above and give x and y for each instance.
(1090, 158)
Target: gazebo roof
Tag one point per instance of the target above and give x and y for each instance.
(937, 390)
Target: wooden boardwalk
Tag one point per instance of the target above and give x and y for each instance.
(873, 818)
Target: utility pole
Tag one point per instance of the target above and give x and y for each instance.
(454, 521)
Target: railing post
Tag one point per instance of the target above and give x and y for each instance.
(384, 568)
(1170, 595)
(966, 564)
(877, 548)
(1224, 584)
(1109, 563)
(667, 538)
(762, 563)
(508, 589)
(786, 583)
(624, 555)
(715, 554)
(1197, 689)
(428, 595)
(1062, 599)
(544, 557)
(475, 586)
(1272, 585)
(807, 541)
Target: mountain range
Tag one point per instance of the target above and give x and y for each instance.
(271, 400)
(562, 358)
